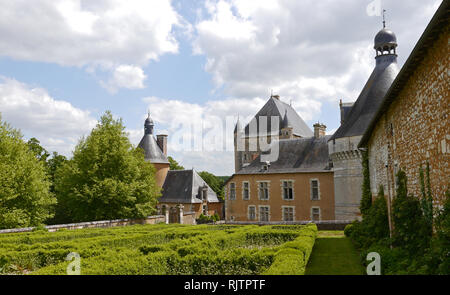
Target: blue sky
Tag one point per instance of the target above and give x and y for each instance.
(63, 63)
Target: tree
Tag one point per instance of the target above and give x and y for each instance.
(107, 178)
(35, 147)
(25, 199)
(214, 182)
(366, 199)
(410, 227)
(174, 164)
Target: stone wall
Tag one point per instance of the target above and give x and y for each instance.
(347, 167)
(93, 224)
(415, 129)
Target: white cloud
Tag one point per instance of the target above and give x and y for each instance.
(126, 76)
(57, 124)
(105, 34)
(200, 135)
(307, 51)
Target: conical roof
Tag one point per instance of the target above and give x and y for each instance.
(370, 98)
(153, 152)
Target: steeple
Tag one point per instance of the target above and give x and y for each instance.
(148, 125)
(286, 122)
(385, 41)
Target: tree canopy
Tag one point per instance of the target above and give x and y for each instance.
(107, 178)
(25, 199)
(174, 164)
(216, 183)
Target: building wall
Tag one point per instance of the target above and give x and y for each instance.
(237, 210)
(347, 167)
(419, 130)
(197, 208)
(161, 173)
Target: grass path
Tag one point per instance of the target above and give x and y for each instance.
(334, 254)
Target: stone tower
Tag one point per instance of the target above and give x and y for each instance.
(155, 151)
(343, 145)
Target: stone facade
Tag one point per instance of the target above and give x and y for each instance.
(237, 210)
(347, 169)
(415, 128)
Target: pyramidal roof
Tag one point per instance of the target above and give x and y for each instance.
(185, 186)
(275, 107)
(360, 115)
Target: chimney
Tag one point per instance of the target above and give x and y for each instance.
(319, 130)
(161, 140)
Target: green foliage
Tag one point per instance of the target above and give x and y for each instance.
(214, 182)
(25, 199)
(35, 147)
(106, 178)
(202, 219)
(411, 231)
(163, 249)
(438, 256)
(426, 201)
(374, 226)
(366, 199)
(174, 164)
(416, 250)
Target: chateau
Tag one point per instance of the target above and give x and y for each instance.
(184, 192)
(315, 177)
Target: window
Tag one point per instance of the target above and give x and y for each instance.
(288, 192)
(251, 213)
(245, 190)
(205, 210)
(288, 213)
(315, 214)
(264, 212)
(315, 190)
(232, 191)
(263, 190)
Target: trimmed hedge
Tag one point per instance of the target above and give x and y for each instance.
(163, 249)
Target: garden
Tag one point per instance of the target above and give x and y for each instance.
(162, 250)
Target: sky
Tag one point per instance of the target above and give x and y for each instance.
(194, 65)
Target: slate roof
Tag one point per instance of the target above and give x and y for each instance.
(275, 107)
(438, 24)
(295, 156)
(184, 186)
(368, 102)
(345, 110)
(153, 152)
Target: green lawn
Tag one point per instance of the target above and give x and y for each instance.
(334, 254)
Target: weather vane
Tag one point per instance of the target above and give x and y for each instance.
(384, 18)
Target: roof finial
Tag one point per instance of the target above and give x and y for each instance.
(384, 18)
